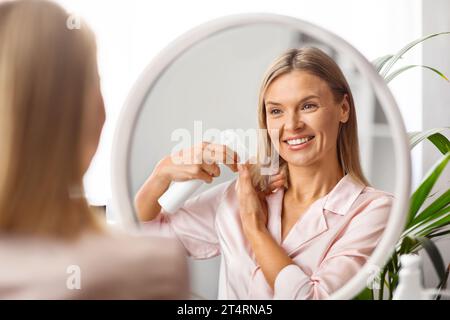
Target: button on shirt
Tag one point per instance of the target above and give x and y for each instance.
(329, 244)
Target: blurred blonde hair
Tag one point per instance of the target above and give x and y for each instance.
(46, 71)
(318, 63)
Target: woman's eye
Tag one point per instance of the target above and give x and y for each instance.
(275, 111)
(309, 106)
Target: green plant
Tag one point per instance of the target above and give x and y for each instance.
(424, 223)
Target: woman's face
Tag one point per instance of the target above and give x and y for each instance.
(301, 107)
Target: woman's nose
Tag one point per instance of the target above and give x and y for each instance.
(293, 122)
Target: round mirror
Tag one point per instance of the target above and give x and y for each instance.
(269, 78)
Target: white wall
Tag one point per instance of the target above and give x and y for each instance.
(436, 102)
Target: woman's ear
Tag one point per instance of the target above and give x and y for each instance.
(344, 109)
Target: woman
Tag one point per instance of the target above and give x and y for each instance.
(52, 245)
(312, 234)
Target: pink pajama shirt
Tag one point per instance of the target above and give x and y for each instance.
(329, 244)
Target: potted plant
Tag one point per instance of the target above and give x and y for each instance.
(425, 223)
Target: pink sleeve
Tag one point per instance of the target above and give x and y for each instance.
(343, 260)
(193, 224)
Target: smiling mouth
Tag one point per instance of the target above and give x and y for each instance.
(298, 141)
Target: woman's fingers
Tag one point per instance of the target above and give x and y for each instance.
(244, 180)
(275, 182)
(197, 172)
(211, 169)
(277, 177)
(202, 172)
(230, 158)
(252, 204)
(218, 153)
(201, 162)
(273, 187)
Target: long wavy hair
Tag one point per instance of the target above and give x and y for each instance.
(46, 74)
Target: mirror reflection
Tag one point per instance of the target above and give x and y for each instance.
(267, 154)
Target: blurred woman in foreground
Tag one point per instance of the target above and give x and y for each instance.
(52, 245)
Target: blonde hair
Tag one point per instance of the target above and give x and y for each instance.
(45, 73)
(315, 62)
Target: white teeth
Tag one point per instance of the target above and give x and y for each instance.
(294, 142)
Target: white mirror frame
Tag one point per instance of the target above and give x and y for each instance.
(122, 198)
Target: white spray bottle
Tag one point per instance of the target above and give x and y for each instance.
(410, 279)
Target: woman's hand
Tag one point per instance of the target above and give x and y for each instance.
(270, 256)
(198, 162)
(252, 203)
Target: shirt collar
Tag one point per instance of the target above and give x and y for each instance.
(343, 195)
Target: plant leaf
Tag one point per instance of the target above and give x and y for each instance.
(438, 233)
(378, 63)
(431, 220)
(436, 226)
(435, 210)
(441, 142)
(405, 247)
(403, 69)
(382, 282)
(366, 294)
(435, 256)
(419, 196)
(406, 48)
(434, 135)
